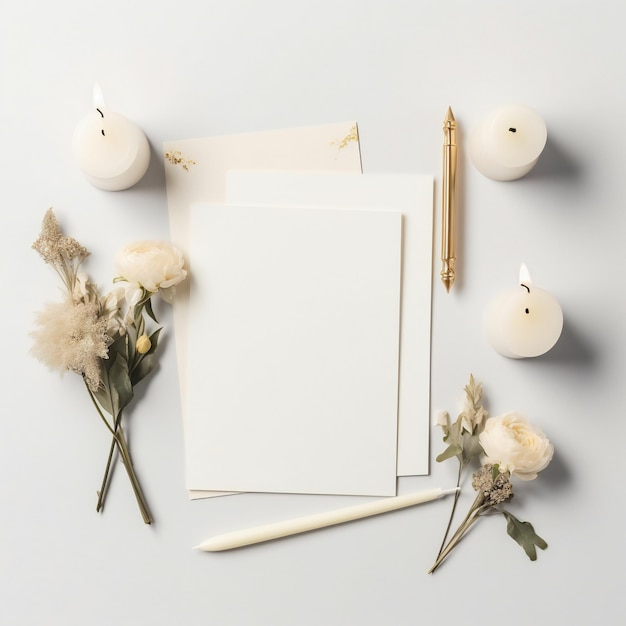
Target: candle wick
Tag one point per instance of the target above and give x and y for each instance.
(102, 131)
(99, 111)
(512, 130)
(526, 311)
(527, 287)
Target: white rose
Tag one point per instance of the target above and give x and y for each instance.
(516, 446)
(153, 265)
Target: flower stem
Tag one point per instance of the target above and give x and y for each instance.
(454, 503)
(107, 469)
(120, 441)
(141, 500)
(105, 478)
(472, 516)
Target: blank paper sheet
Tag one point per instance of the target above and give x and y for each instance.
(293, 351)
(411, 195)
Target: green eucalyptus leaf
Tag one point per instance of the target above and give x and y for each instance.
(450, 452)
(453, 434)
(144, 367)
(471, 447)
(108, 399)
(103, 395)
(120, 383)
(107, 395)
(149, 310)
(154, 340)
(117, 347)
(524, 534)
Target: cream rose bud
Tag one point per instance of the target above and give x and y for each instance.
(152, 265)
(143, 344)
(517, 447)
(442, 418)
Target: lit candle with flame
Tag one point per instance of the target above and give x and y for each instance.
(112, 152)
(523, 322)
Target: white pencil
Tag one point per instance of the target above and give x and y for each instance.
(276, 530)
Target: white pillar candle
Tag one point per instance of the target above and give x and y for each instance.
(524, 321)
(508, 142)
(112, 152)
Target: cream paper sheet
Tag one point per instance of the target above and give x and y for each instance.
(195, 171)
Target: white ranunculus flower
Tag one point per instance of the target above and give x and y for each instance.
(152, 265)
(517, 447)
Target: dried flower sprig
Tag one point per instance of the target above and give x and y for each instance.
(353, 135)
(503, 446)
(104, 338)
(64, 254)
(175, 157)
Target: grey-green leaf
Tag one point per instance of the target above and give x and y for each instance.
(471, 447)
(524, 534)
(450, 452)
(119, 381)
(106, 395)
(150, 311)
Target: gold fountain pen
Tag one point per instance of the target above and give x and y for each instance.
(448, 204)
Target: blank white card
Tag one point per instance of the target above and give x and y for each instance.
(411, 195)
(293, 350)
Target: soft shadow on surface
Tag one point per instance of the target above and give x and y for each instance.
(556, 163)
(554, 481)
(572, 349)
(152, 184)
(557, 474)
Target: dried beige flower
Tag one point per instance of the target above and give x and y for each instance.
(48, 242)
(72, 337)
(63, 253)
(496, 489)
(473, 413)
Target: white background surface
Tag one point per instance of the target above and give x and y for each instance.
(196, 69)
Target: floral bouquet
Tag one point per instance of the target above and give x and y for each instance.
(105, 339)
(506, 446)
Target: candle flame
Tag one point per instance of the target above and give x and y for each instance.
(98, 98)
(524, 276)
